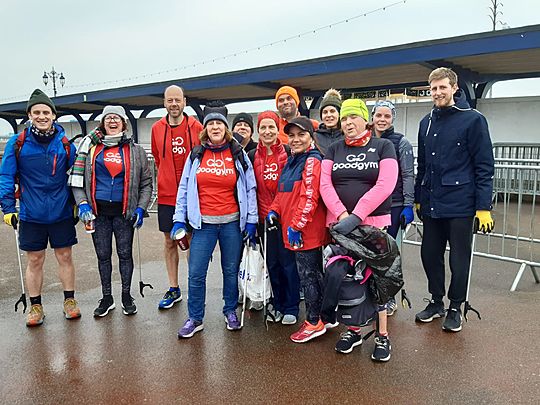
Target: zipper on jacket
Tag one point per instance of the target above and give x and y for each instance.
(164, 140)
(54, 165)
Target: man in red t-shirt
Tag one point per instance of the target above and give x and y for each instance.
(173, 137)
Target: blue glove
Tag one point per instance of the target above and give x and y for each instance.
(177, 227)
(137, 217)
(295, 238)
(85, 212)
(406, 216)
(347, 225)
(273, 220)
(249, 234)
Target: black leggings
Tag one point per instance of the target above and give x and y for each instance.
(122, 229)
(310, 269)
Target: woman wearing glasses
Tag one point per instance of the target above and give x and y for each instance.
(112, 185)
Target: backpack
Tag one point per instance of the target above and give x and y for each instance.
(19, 143)
(355, 304)
(17, 147)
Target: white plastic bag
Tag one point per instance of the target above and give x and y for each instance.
(253, 280)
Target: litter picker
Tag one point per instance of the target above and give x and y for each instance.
(265, 274)
(141, 283)
(245, 277)
(468, 306)
(22, 298)
(405, 301)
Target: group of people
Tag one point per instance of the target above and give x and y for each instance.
(216, 184)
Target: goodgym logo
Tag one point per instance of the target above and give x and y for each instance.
(270, 171)
(215, 166)
(177, 145)
(113, 157)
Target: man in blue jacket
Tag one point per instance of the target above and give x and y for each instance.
(37, 161)
(453, 191)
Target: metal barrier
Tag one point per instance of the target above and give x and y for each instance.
(152, 208)
(516, 150)
(516, 238)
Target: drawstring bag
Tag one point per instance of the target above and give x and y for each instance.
(253, 281)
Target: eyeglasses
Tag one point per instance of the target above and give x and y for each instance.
(108, 118)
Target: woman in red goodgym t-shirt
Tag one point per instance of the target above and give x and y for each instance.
(268, 160)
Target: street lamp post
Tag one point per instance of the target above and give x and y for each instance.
(53, 74)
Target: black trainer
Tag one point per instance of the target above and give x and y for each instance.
(453, 321)
(432, 311)
(348, 341)
(128, 305)
(105, 305)
(382, 350)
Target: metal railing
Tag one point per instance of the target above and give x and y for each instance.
(516, 150)
(152, 208)
(516, 237)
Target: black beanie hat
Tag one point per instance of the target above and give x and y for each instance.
(38, 97)
(215, 107)
(331, 97)
(243, 117)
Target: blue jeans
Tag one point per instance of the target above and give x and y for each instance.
(202, 246)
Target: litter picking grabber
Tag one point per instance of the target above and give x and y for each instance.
(265, 273)
(141, 283)
(468, 306)
(22, 298)
(405, 301)
(246, 277)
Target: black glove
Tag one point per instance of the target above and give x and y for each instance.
(347, 225)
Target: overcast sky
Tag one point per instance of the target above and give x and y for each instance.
(99, 41)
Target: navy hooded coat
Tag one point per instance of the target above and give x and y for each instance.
(455, 162)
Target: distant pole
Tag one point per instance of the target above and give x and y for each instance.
(495, 12)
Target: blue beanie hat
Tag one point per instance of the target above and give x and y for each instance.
(384, 103)
(215, 116)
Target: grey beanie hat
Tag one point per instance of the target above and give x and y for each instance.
(114, 109)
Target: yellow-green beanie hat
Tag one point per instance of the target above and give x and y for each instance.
(354, 106)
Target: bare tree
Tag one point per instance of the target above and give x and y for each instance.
(495, 12)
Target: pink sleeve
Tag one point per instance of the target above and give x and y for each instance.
(386, 182)
(328, 192)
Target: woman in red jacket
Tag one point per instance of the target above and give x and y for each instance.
(301, 212)
(268, 159)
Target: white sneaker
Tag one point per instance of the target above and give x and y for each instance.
(256, 305)
(288, 319)
(273, 315)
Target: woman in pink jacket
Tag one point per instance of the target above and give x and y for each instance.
(357, 180)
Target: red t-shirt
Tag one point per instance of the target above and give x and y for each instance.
(216, 181)
(179, 137)
(113, 161)
(271, 173)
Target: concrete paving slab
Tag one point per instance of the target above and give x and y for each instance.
(138, 359)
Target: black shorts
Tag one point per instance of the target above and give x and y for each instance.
(165, 214)
(33, 237)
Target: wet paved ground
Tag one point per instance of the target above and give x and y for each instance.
(139, 359)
